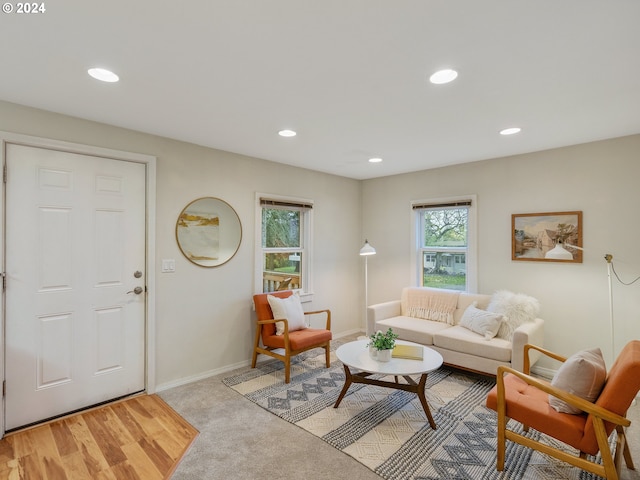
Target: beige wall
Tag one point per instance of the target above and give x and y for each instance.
(204, 316)
(600, 178)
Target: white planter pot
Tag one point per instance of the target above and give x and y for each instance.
(373, 353)
(384, 355)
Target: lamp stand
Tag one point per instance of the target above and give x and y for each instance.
(366, 295)
(608, 257)
(365, 251)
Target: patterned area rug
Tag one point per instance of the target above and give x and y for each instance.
(387, 430)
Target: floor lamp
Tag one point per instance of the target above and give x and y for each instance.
(365, 251)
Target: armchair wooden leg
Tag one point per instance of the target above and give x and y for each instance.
(287, 369)
(625, 448)
(605, 452)
(327, 354)
(256, 344)
(502, 442)
(502, 424)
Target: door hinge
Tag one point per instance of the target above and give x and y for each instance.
(4, 281)
(4, 388)
(4, 173)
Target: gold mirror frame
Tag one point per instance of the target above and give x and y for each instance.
(208, 232)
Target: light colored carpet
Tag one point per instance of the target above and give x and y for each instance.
(239, 439)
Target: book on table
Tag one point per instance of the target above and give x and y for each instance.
(412, 352)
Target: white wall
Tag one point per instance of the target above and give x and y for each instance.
(600, 178)
(204, 320)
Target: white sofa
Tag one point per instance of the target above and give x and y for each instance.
(459, 346)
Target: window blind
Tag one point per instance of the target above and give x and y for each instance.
(459, 203)
(268, 202)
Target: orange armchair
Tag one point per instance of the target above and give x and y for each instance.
(292, 343)
(526, 399)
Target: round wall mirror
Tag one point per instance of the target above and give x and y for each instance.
(208, 232)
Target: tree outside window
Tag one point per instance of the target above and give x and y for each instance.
(284, 244)
(444, 246)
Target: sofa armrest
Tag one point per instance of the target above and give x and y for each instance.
(529, 332)
(381, 311)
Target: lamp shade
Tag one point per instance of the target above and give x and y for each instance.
(367, 249)
(559, 253)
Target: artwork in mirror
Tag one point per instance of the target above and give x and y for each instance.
(208, 232)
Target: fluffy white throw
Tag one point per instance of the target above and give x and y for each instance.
(431, 305)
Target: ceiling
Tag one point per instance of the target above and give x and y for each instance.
(350, 76)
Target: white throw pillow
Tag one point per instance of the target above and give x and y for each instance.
(289, 308)
(481, 322)
(583, 374)
(517, 308)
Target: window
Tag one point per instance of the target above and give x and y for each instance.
(284, 248)
(445, 240)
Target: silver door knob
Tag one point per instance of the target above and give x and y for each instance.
(137, 290)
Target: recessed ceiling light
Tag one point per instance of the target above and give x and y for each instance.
(375, 160)
(103, 75)
(443, 76)
(287, 133)
(510, 131)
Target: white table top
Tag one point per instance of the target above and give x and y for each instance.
(356, 354)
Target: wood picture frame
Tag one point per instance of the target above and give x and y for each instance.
(547, 237)
(208, 232)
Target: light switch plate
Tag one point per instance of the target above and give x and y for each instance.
(168, 265)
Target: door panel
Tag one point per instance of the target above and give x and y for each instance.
(75, 236)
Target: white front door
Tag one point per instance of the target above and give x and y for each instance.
(75, 253)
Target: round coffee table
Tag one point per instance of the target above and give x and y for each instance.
(356, 355)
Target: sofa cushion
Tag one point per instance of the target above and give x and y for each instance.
(289, 308)
(583, 374)
(481, 322)
(460, 339)
(465, 300)
(517, 308)
(416, 330)
(429, 303)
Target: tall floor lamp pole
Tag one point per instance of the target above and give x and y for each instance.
(608, 257)
(365, 251)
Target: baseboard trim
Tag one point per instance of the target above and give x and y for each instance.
(201, 376)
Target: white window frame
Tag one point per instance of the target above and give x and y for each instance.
(472, 240)
(306, 240)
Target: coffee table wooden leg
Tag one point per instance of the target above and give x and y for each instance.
(423, 400)
(347, 383)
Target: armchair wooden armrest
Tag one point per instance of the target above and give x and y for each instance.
(527, 365)
(327, 312)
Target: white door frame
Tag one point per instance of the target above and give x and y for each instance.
(150, 162)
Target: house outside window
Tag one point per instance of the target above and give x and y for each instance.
(283, 251)
(446, 245)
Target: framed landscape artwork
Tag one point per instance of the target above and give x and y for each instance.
(208, 232)
(547, 237)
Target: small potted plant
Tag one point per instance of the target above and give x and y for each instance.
(381, 344)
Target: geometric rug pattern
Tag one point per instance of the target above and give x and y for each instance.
(387, 430)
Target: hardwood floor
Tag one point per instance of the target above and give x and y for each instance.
(137, 438)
